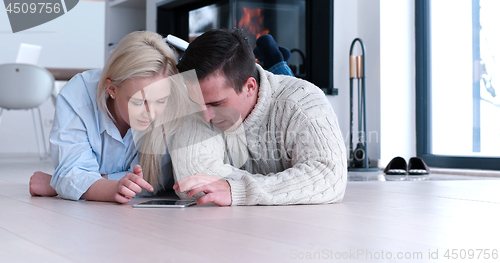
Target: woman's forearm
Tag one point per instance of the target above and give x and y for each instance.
(102, 190)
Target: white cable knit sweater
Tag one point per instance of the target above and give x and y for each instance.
(289, 148)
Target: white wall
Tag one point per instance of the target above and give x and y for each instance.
(345, 30)
(151, 14)
(369, 31)
(387, 30)
(397, 74)
(358, 19)
(74, 40)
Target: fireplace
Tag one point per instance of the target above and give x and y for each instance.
(305, 27)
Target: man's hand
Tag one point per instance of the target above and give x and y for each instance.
(130, 185)
(217, 190)
(40, 185)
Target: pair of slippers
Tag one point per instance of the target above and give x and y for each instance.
(397, 166)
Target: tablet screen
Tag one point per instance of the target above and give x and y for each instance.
(166, 203)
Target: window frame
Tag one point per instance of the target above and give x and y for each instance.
(423, 76)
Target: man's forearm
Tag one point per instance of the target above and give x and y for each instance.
(305, 183)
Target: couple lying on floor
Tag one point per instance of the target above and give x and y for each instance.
(215, 127)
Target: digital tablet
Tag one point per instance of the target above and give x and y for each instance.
(165, 203)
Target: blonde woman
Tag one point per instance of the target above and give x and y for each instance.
(102, 115)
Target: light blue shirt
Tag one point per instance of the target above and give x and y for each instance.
(84, 141)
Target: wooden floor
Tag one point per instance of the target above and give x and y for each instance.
(412, 220)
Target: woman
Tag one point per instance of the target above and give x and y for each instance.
(93, 145)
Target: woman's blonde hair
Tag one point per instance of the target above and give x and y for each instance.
(144, 54)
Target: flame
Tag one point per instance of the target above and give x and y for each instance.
(252, 21)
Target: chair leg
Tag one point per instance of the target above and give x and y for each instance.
(43, 133)
(36, 134)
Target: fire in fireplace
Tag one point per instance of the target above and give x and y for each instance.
(252, 22)
(303, 26)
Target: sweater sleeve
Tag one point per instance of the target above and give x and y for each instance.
(76, 163)
(318, 171)
(198, 147)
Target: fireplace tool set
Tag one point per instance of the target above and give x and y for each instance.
(358, 158)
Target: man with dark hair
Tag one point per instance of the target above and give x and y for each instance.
(279, 142)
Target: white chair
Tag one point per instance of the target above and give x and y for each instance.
(24, 87)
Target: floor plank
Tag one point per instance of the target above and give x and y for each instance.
(375, 218)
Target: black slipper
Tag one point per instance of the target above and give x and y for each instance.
(397, 166)
(417, 166)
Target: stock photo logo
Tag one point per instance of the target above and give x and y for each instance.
(25, 14)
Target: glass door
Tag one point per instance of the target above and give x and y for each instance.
(458, 85)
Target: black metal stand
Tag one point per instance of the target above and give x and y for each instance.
(358, 158)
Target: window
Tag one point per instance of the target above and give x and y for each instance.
(458, 83)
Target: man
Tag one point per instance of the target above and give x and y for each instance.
(279, 142)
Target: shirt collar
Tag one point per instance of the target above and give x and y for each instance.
(107, 125)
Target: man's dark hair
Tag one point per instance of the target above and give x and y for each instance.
(221, 50)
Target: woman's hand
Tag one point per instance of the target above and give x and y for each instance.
(130, 185)
(40, 185)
